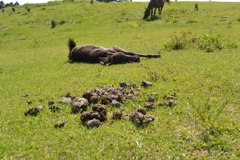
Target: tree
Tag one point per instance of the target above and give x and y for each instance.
(2, 4)
(16, 3)
(9, 4)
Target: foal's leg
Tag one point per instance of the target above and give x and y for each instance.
(120, 58)
(101, 55)
(117, 49)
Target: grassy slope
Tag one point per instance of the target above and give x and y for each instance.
(34, 61)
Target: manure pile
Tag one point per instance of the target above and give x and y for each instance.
(103, 97)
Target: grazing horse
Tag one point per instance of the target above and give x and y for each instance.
(97, 54)
(156, 4)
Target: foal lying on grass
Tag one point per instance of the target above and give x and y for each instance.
(97, 54)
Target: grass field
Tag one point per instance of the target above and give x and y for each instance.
(200, 62)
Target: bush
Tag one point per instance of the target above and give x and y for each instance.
(207, 42)
(210, 43)
(179, 41)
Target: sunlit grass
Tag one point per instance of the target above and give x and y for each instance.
(203, 124)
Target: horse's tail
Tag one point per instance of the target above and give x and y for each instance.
(71, 45)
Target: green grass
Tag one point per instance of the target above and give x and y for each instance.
(203, 125)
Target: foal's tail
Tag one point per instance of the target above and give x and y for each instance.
(71, 45)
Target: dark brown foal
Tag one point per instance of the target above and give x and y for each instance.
(97, 54)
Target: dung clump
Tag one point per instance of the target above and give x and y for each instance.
(100, 108)
(171, 100)
(117, 114)
(93, 123)
(149, 105)
(66, 98)
(139, 118)
(152, 98)
(99, 112)
(142, 110)
(122, 84)
(33, 111)
(102, 97)
(50, 102)
(55, 108)
(60, 124)
(79, 104)
(115, 103)
(91, 96)
(146, 83)
(170, 103)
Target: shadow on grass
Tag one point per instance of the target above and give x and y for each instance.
(143, 126)
(69, 61)
(153, 18)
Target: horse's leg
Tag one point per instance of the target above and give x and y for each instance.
(117, 49)
(159, 11)
(155, 11)
(151, 12)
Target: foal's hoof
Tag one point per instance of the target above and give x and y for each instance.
(157, 56)
(153, 56)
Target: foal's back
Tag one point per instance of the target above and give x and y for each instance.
(88, 53)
